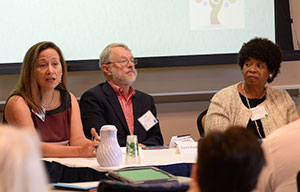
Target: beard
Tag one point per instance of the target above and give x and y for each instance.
(122, 79)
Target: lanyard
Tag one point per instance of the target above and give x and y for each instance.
(243, 88)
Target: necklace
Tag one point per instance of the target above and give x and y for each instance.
(243, 88)
(47, 106)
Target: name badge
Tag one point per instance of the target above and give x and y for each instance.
(147, 120)
(258, 113)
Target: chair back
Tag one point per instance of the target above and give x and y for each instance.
(118, 186)
(201, 121)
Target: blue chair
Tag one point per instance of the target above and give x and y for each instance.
(118, 186)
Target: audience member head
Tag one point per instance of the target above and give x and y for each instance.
(263, 50)
(28, 85)
(229, 161)
(21, 168)
(118, 64)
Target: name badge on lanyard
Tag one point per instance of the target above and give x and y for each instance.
(258, 112)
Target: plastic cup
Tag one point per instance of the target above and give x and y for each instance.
(132, 150)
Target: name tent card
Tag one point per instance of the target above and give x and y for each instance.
(187, 148)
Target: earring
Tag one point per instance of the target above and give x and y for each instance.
(270, 76)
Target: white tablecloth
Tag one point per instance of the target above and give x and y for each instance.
(148, 158)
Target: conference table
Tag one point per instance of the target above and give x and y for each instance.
(87, 169)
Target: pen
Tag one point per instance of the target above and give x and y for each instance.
(155, 147)
(187, 135)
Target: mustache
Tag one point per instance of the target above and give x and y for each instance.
(131, 70)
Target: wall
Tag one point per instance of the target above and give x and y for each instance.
(178, 118)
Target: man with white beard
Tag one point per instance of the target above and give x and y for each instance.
(116, 102)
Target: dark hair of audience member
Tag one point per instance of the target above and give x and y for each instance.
(229, 161)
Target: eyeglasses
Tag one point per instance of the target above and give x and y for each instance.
(125, 61)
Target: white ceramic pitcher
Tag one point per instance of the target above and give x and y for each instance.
(109, 153)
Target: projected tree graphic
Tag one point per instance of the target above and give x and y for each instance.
(216, 6)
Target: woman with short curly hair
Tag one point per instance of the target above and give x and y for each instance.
(251, 103)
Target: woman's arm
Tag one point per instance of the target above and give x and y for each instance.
(217, 117)
(54, 150)
(292, 113)
(18, 113)
(77, 136)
